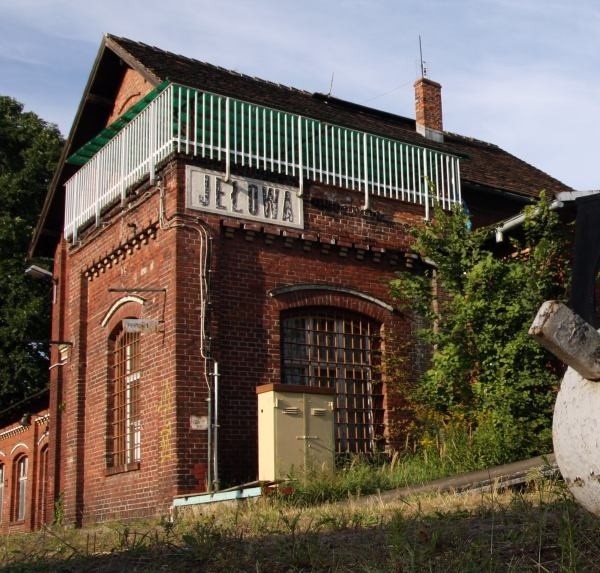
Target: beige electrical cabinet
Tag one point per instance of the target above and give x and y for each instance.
(295, 429)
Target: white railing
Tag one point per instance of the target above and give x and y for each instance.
(123, 161)
(219, 128)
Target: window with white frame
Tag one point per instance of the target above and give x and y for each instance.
(20, 473)
(332, 348)
(124, 424)
(41, 514)
(1, 491)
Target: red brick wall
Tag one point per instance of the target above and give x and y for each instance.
(129, 253)
(30, 441)
(133, 88)
(341, 246)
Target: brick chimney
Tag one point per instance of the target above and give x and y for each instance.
(428, 104)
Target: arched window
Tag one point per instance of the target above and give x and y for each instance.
(2, 478)
(124, 425)
(332, 348)
(20, 487)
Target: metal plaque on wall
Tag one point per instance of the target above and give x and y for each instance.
(244, 198)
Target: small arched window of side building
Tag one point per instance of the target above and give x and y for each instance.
(42, 486)
(20, 473)
(2, 478)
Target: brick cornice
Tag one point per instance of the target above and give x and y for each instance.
(121, 252)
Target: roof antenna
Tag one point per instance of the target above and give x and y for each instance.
(330, 85)
(423, 68)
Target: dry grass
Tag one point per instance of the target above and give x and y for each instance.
(540, 529)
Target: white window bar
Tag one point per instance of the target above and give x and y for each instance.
(365, 171)
(211, 125)
(320, 152)
(456, 187)
(389, 163)
(178, 137)
(187, 121)
(227, 141)
(338, 162)
(257, 131)
(346, 156)
(314, 150)
(278, 142)
(352, 160)
(299, 145)
(372, 174)
(204, 125)
(444, 177)
(264, 139)
(414, 174)
(327, 153)
(285, 140)
(219, 128)
(243, 107)
(426, 183)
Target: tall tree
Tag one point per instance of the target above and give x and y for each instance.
(29, 150)
(486, 373)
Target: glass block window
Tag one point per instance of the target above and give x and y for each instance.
(124, 432)
(330, 348)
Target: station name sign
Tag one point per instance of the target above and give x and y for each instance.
(244, 198)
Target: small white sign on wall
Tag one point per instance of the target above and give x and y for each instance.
(244, 198)
(198, 422)
(142, 325)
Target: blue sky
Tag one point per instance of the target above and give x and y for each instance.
(523, 74)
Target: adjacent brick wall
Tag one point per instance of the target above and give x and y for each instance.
(30, 441)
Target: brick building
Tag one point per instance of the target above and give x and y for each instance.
(212, 233)
(25, 499)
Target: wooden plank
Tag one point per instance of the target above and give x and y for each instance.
(570, 338)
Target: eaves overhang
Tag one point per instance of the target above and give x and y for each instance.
(49, 225)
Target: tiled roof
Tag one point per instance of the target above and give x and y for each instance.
(483, 163)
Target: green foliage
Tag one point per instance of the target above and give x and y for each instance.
(29, 149)
(437, 458)
(486, 372)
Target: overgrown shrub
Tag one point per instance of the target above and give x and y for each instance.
(486, 373)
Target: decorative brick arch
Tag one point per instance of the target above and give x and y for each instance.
(125, 307)
(17, 446)
(305, 295)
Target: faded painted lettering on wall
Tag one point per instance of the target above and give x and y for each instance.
(244, 198)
